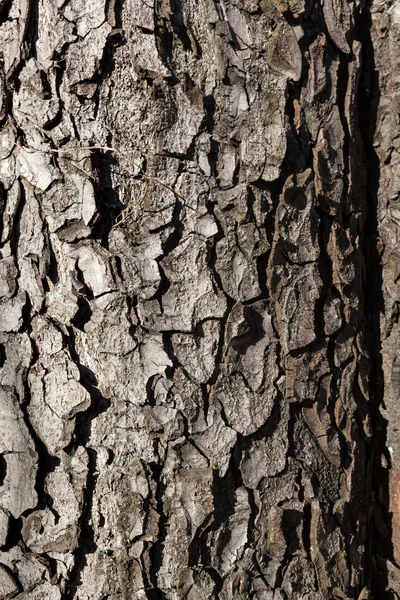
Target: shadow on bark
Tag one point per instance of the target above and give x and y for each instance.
(380, 543)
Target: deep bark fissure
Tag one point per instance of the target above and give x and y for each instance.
(380, 542)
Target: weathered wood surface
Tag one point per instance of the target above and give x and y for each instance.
(190, 292)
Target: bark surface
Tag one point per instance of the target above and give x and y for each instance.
(197, 198)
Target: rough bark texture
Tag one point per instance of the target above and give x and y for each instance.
(383, 85)
(197, 199)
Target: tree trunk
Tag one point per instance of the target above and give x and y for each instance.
(198, 196)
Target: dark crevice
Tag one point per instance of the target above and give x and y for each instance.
(5, 11)
(175, 237)
(3, 469)
(83, 315)
(2, 355)
(379, 543)
(14, 533)
(108, 204)
(157, 547)
(86, 543)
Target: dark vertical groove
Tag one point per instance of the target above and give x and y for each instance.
(157, 548)
(86, 543)
(378, 545)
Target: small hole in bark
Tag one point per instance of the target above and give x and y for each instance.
(296, 197)
(111, 457)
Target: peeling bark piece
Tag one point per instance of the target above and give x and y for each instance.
(29, 569)
(11, 312)
(227, 165)
(4, 527)
(142, 13)
(73, 204)
(8, 171)
(328, 554)
(243, 390)
(7, 140)
(320, 423)
(216, 440)
(197, 352)
(144, 53)
(298, 221)
(17, 360)
(35, 166)
(56, 530)
(284, 53)
(31, 282)
(139, 271)
(104, 574)
(52, 33)
(12, 202)
(17, 448)
(45, 590)
(263, 140)
(196, 584)
(236, 98)
(332, 314)
(255, 351)
(188, 118)
(266, 457)
(296, 304)
(237, 255)
(83, 58)
(8, 275)
(157, 199)
(37, 99)
(165, 422)
(119, 502)
(13, 33)
(73, 397)
(191, 295)
(229, 549)
(189, 514)
(299, 578)
(317, 78)
(124, 364)
(245, 411)
(338, 19)
(84, 17)
(329, 164)
(33, 244)
(56, 397)
(8, 585)
(110, 313)
(94, 264)
(297, 7)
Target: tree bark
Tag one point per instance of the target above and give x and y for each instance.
(199, 260)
